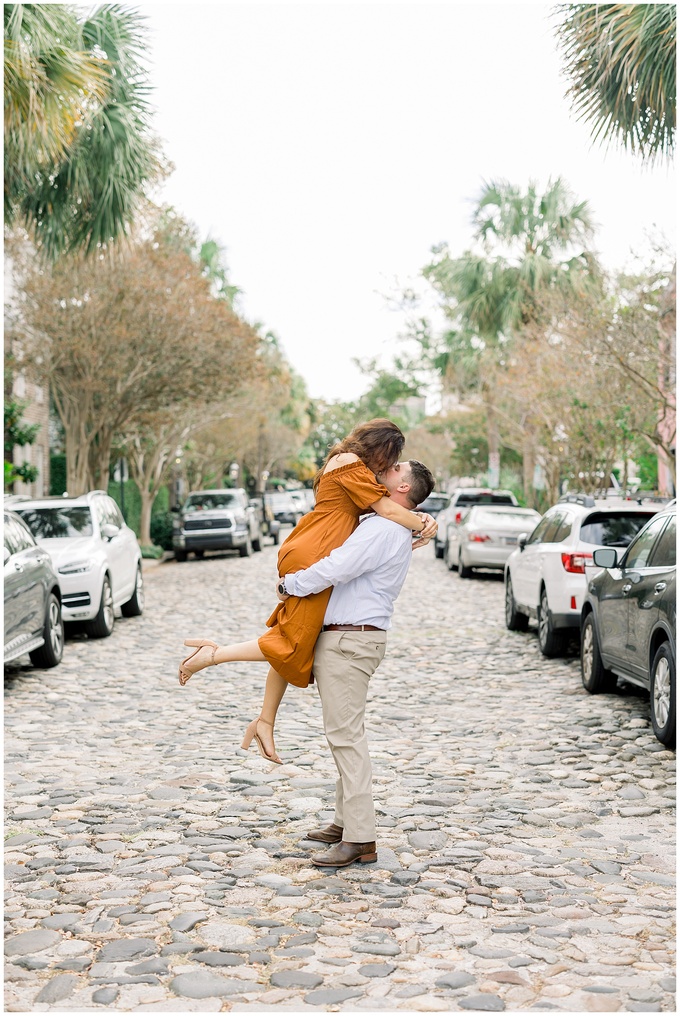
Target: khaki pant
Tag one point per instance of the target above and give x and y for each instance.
(344, 662)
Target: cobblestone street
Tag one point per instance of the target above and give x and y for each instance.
(526, 829)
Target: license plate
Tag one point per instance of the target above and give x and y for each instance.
(510, 540)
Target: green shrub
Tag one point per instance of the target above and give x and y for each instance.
(152, 552)
(57, 474)
(130, 504)
(161, 529)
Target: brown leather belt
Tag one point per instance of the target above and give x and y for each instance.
(351, 627)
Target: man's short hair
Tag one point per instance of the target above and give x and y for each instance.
(422, 482)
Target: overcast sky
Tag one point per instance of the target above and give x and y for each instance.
(329, 146)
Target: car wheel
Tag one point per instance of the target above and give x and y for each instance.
(135, 605)
(448, 560)
(515, 620)
(102, 625)
(463, 570)
(662, 695)
(595, 676)
(247, 549)
(180, 555)
(438, 550)
(199, 554)
(50, 654)
(257, 544)
(551, 641)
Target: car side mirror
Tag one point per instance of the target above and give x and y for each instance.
(255, 502)
(605, 557)
(522, 540)
(175, 508)
(109, 531)
(5, 555)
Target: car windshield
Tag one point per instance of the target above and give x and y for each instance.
(57, 523)
(435, 502)
(208, 502)
(613, 530)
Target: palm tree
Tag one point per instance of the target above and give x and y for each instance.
(529, 244)
(620, 64)
(78, 148)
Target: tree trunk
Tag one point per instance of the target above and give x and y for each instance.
(147, 499)
(493, 437)
(528, 466)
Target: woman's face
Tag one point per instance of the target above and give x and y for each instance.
(393, 476)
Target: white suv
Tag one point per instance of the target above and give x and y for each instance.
(95, 554)
(545, 578)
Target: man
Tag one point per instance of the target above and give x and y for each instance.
(367, 573)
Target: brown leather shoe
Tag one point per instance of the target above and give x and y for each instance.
(345, 853)
(331, 834)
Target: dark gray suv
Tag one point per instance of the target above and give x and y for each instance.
(33, 622)
(628, 620)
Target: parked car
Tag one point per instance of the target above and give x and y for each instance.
(96, 556)
(628, 620)
(33, 621)
(286, 509)
(545, 577)
(216, 520)
(269, 526)
(486, 536)
(461, 499)
(434, 504)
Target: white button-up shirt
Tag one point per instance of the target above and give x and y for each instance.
(366, 572)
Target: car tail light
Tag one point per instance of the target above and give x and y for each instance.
(478, 537)
(459, 516)
(576, 563)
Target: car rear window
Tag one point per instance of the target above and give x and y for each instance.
(57, 523)
(487, 518)
(609, 529)
(484, 499)
(208, 502)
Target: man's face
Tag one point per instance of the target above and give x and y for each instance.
(395, 475)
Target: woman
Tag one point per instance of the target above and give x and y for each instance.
(346, 487)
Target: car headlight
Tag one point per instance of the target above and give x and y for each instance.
(75, 567)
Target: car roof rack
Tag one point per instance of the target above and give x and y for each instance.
(587, 500)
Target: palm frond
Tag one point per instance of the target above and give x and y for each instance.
(620, 62)
(79, 186)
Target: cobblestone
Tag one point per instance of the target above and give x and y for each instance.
(526, 831)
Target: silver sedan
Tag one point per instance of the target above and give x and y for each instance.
(486, 536)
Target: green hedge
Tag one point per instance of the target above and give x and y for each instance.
(133, 506)
(57, 474)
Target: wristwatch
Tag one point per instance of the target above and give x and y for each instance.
(281, 588)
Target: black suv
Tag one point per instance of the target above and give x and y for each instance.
(216, 520)
(628, 620)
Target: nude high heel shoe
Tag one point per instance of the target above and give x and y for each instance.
(184, 673)
(251, 732)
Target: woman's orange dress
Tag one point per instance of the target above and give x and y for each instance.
(342, 496)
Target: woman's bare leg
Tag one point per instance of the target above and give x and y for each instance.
(274, 690)
(247, 652)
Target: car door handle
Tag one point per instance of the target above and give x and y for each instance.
(627, 588)
(659, 587)
(18, 567)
